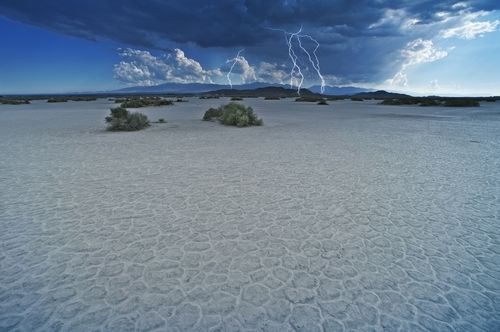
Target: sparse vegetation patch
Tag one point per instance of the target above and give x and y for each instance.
(433, 101)
(122, 120)
(138, 102)
(310, 99)
(233, 114)
(14, 101)
(461, 102)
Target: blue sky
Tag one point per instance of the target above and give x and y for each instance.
(421, 47)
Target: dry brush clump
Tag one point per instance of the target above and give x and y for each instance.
(138, 102)
(233, 114)
(122, 120)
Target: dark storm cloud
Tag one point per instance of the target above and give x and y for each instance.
(358, 37)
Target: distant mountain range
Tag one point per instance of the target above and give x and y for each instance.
(268, 91)
(207, 87)
(338, 90)
(382, 94)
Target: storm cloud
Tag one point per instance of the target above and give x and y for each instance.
(361, 41)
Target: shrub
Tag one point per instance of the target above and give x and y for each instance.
(311, 99)
(429, 102)
(461, 102)
(144, 102)
(234, 114)
(322, 102)
(14, 101)
(212, 113)
(83, 98)
(123, 120)
(402, 101)
(272, 98)
(236, 99)
(56, 100)
(239, 115)
(161, 120)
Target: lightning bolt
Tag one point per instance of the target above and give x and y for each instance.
(315, 63)
(294, 58)
(289, 38)
(234, 60)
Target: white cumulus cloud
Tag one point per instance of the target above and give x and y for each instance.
(469, 26)
(471, 30)
(138, 67)
(416, 52)
(142, 68)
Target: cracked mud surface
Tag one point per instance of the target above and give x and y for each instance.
(327, 218)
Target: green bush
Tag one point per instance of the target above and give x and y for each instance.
(14, 101)
(57, 100)
(209, 97)
(233, 114)
(212, 113)
(161, 120)
(402, 101)
(311, 99)
(138, 102)
(461, 102)
(491, 99)
(322, 102)
(272, 98)
(236, 99)
(424, 102)
(123, 120)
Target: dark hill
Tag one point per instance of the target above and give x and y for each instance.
(270, 91)
(382, 94)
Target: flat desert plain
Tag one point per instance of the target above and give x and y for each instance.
(352, 216)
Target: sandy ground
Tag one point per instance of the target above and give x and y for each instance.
(352, 216)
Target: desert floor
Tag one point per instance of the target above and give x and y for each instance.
(351, 216)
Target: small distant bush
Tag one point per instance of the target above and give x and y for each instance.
(425, 102)
(322, 102)
(209, 97)
(272, 98)
(311, 99)
(64, 99)
(180, 100)
(461, 102)
(57, 100)
(144, 102)
(233, 114)
(122, 120)
(402, 101)
(83, 98)
(236, 98)
(14, 101)
(161, 120)
(213, 113)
